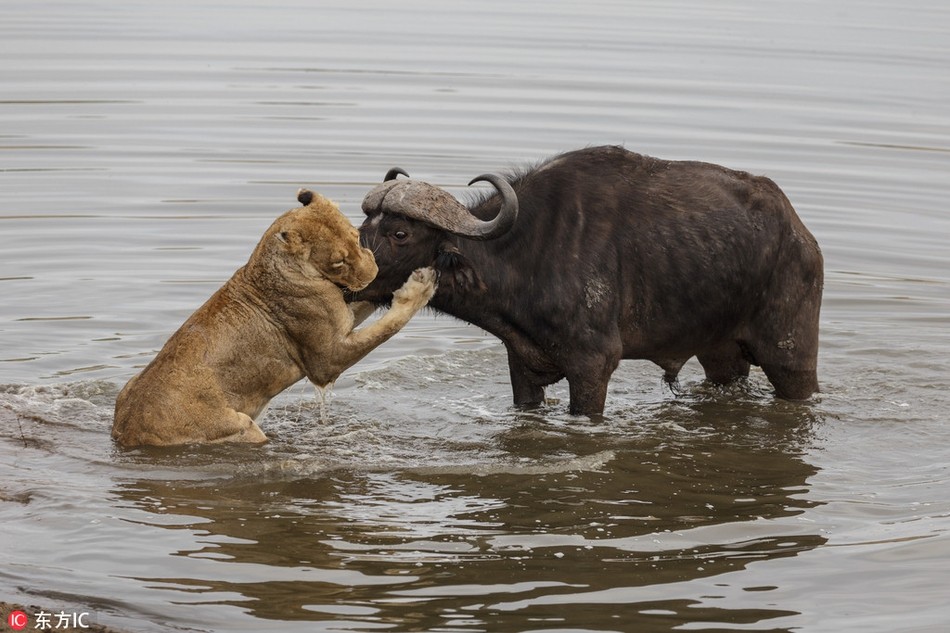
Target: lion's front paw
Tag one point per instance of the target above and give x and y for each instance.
(418, 289)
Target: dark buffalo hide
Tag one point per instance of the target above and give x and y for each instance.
(606, 255)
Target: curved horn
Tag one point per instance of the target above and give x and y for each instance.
(421, 201)
(507, 215)
(394, 172)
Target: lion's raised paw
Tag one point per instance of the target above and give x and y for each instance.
(419, 288)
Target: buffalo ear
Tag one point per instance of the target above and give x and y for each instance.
(456, 271)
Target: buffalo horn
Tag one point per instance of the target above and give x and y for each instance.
(394, 172)
(421, 201)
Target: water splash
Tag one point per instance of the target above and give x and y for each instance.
(324, 396)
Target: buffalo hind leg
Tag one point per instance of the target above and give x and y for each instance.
(784, 337)
(724, 364)
(789, 358)
(792, 384)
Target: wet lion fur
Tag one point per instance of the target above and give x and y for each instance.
(279, 318)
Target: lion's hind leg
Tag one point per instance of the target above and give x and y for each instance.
(236, 427)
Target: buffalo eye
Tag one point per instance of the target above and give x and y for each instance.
(400, 236)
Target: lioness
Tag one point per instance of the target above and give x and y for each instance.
(280, 317)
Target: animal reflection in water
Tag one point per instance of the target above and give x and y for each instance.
(279, 318)
(602, 254)
(668, 506)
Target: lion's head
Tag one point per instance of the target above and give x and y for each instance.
(318, 242)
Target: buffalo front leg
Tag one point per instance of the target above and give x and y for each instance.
(588, 384)
(588, 397)
(525, 388)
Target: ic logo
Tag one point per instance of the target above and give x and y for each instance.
(18, 620)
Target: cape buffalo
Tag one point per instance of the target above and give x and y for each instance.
(601, 254)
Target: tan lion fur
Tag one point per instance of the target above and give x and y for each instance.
(279, 318)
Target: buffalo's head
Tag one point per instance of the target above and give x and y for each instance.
(411, 224)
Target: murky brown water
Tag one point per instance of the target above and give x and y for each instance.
(144, 147)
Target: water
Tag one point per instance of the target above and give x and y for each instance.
(144, 148)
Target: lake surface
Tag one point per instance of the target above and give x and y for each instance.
(145, 147)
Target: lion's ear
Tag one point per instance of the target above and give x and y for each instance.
(304, 196)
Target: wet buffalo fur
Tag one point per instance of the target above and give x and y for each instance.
(618, 255)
